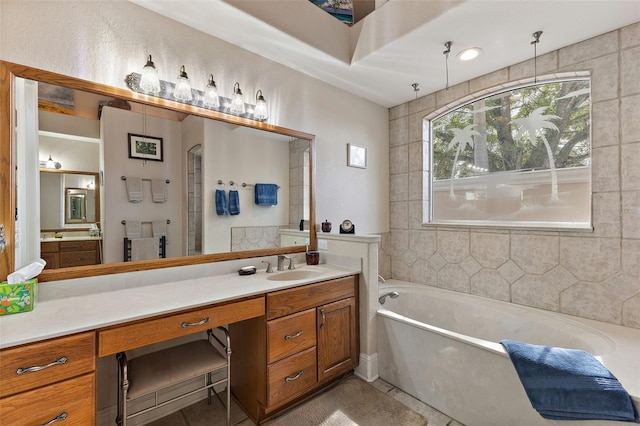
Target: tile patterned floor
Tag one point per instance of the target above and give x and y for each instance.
(201, 413)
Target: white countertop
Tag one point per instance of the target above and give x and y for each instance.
(104, 305)
(69, 238)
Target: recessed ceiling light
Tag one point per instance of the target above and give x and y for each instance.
(469, 54)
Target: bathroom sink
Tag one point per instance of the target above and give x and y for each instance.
(297, 274)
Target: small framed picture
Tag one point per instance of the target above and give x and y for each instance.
(356, 156)
(145, 147)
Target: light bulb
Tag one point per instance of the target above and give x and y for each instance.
(237, 101)
(261, 112)
(211, 98)
(149, 81)
(182, 91)
(50, 163)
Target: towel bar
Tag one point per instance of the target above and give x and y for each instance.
(146, 179)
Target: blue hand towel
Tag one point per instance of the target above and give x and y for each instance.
(221, 203)
(234, 202)
(266, 194)
(569, 384)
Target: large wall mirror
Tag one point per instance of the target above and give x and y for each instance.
(202, 152)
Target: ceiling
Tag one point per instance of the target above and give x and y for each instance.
(402, 41)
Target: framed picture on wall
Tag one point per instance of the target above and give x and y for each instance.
(356, 156)
(145, 147)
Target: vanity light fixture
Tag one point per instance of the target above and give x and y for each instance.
(211, 98)
(469, 54)
(182, 91)
(149, 81)
(261, 112)
(149, 84)
(50, 164)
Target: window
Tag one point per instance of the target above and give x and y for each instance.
(516, 158)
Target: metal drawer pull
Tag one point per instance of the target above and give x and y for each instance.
(292, 336)
(60, 418)
(322, 313)
(292, 378)
(61, 360)
(191, 324)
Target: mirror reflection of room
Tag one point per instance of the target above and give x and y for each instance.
(89, 134)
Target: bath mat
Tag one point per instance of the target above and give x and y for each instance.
(353, 402)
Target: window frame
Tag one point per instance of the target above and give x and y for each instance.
(427, 128)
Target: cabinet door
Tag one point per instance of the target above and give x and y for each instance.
(337, 338)
(52, 259)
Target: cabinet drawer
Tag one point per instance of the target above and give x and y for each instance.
(291, 377)
(77, 258)
(154, 330)
(74, 398)
(51, 247)
(291, 334)
(285, 302)
(77, 245)
(79, 351)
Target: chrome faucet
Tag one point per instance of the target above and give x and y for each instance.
(269, 267)
(281, 259)
(392, 294)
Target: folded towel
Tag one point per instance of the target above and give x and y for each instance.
(145, 248)
(159, 228)
(159, 190)
(134, 189)
(221, 203)
(266, 194)
(133, 229)
(569, 384)
(234, 202)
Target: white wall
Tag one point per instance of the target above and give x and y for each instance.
(232, 153)
(103, 41)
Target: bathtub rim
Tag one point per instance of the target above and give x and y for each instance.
(625, 340)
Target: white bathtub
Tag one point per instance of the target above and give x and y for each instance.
(442, 347)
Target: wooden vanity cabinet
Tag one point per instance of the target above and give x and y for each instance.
(42, 381)
(66, 254)
(308, 336)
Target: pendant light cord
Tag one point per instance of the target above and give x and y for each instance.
(535, 42)
(447, 46)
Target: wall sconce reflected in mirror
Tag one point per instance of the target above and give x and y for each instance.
(261, 112)
(237, 100)
(50, 164)
(149, 81)
(211, 98)
(182, 91)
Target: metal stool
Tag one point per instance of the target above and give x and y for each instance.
(158, 370)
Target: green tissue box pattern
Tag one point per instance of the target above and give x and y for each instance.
(16, 298)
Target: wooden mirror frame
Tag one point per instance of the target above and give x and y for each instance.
(9, 71)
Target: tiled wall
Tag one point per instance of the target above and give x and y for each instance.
(254, 237)
(588, 274)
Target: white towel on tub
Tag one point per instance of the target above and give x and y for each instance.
(145, 248)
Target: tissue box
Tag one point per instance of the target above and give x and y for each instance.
(16, 298)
